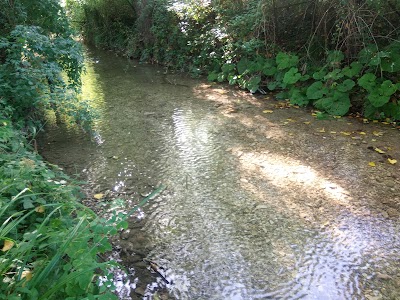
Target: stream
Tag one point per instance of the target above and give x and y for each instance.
(262, 201)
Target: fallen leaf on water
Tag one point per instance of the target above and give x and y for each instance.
(40, 209)
(383, 276)
(392, 161)
(267, 111)
(371, 164)
(379, 151)
(98, 196)
(7, 245)
(377, 133)
(345, 133)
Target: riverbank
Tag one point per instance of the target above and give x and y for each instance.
(49, 246)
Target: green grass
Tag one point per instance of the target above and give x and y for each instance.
(49, 242)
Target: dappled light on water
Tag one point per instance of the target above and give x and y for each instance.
(286, 173)
(255, 207)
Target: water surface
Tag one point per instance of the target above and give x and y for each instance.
(257, 206)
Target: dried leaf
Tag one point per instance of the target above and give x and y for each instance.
(362, 133)
(333, 132)
(321, 130)
(371, 164)
(307, 123)
(27, 275)
(365, 121)
(98, 196)
(379, 151)
(345, 133)
(8, 244)
(392, 161)
(268, 111)
(40, 209)
(377, 133)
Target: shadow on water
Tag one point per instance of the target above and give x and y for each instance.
(257, 206)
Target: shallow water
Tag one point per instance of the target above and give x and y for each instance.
(255, 207)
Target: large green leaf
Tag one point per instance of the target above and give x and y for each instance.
(316, 91)
(334, 75)
(388, 88)
(352, 70)
(227, 68)
(286, 61)
(346, 86)
(253, 84)
(212, 76)
(378, 98)
(392, 110)
(319, 74)
(298, 97)
(381, 95)
(337, 105)
(367, 81)
(291, 76)
(272, 85)
(242, 65)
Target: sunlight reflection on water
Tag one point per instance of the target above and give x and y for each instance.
(236, 222)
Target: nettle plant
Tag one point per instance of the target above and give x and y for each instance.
(328, 88)
(42, 72)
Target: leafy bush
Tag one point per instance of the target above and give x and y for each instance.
(254, 44)
(49, 241)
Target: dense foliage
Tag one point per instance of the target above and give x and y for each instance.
(336, 55)
(41, 64)
(49, 242)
